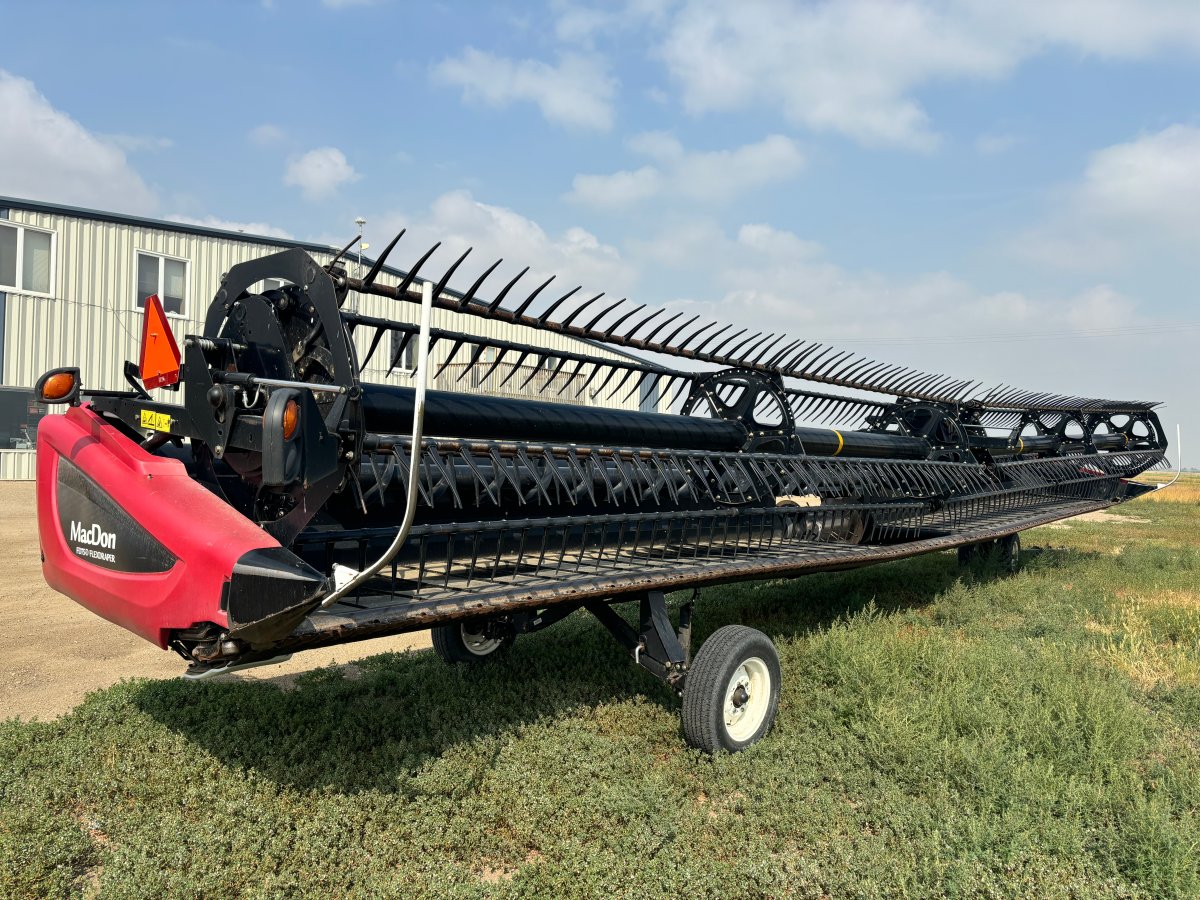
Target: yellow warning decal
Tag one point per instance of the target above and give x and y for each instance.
(156, 421)
(841, 441)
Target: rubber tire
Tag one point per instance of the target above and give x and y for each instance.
(967, 554)
(708, 678)
(1008, 554)
(448, 643)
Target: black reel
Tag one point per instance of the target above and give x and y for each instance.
(290, 331)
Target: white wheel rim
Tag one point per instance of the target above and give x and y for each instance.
(477, 642)
(747, 697)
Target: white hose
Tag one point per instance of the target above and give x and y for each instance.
(414, 462)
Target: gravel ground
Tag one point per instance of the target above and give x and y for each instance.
(53, 651)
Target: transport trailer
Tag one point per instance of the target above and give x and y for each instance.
(284, 503)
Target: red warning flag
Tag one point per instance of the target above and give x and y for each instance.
(160, 354)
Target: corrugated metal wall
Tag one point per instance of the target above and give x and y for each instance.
(91, 320)
(17, 465)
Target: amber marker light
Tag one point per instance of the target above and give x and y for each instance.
(291, 418)
(58, 386)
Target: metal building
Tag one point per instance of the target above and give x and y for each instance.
(72, 285)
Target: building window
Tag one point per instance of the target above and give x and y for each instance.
(19, 417)
(408, 359)
(26, 260)
(163, 276)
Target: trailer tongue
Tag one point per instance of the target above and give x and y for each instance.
(286, 503)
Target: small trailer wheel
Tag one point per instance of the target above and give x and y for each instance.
(732, 690)
(467, 642)
(1008, 553)
(967, 554)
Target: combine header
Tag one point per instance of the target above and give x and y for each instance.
(286, 504)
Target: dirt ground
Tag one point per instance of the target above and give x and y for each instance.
(53, 651)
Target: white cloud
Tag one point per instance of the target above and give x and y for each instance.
(252, 228)
(1133, 199)
(853, 66)
(458, 220)
(1152, 181)
(575, 93)
(266, 134)
(707, 177)
(319, 173)
(773, 279)
(47, 155)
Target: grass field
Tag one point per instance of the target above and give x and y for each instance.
(940, 734)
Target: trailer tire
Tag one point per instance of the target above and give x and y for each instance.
(731, 694)
(1008, 553)
(467, 642)
(967, 554)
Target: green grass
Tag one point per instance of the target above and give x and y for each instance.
(940, 734)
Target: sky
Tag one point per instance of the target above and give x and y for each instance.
(1003, 191)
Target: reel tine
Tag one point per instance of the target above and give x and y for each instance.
(695, 334)
(566, 384)
(716, 351)
(637, 386)
(667, 342)
(412, 273)
(809, 370)
(596, 368)
(449, 359)
(374, 271)
(684, 381)
(803, 355)
(556, 304)
(773, 362)
(520, 310)
(617, 324)
(621, 383)
(500, 354)
(628, 336)
(516, 367)
(612, 370)
(441, 285)
(649, 339)
(495, 304)
(333, 262)
(731, 354)
(712, 337)
(566, 323)
(592, 324)
(379, 333)
(470, 295)
(765, 350)
(399, 353)
(537, 367)
(479, 348)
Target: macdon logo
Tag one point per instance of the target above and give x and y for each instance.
(94, 536)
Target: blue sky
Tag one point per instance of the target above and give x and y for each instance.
(993, 190)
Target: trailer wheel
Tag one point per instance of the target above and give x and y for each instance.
(467, 642)
(732, 690)
(967, 554)
(1008, 553)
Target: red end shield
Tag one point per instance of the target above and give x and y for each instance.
(160, 354)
